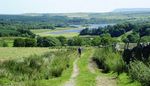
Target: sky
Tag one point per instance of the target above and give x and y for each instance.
(67, 6)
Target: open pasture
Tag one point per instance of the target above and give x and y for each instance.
(67, 32)
(13, 53)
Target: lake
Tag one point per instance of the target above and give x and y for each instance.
(78, 28)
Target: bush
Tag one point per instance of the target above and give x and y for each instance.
(70, 42)
(49, 65)
(96, 41)
(140, 72)
(5, 44)
(63, 40)
(19, 42)
(30, 42)
(48, 42)
(109, 60)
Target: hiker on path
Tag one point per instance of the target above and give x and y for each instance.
(79, 51)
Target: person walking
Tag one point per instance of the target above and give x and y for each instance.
(79, 51)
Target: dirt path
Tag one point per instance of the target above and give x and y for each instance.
(101, 80)
(92, 66)
(105, 81)
(75, 72)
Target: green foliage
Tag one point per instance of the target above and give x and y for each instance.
(19, 42)
(75, 41)
(106, 39)
(141, 72)
(115, 30)
(63, 40)
(108, 60)
(133, 38)
(145, 39)
(96, 41)
(3, 43)
(27, 42)
(46, 66)
(125, 80)
(7, 30)
(48, 42)
(30, 42)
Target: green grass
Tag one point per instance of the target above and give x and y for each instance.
(85, 77)
(45, 32)
(8, 40)
(124, 80)
(123, 36)
(65, 75)
(8, 53)
(108, 60)
(60, 59)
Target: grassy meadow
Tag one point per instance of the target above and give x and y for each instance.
(43, 68)
(48, 32)
(8, 53)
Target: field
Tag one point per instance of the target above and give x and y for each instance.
(58, 31)
(92, 57)
(78, 71)
(8, 53)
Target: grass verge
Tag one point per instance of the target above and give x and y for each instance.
(85, 77)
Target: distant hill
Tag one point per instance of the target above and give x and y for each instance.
(132, 10)
(116, 16)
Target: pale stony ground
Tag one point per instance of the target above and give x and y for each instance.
(101, 80)
(75, 73)
(106, 81)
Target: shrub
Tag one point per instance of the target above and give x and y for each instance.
(140, 72)
(96, 41)
(70, 42)
(19, 42)
(48, 42)
(30, 42)
(5, 44)
(109, 60)
(49, 65)
(62, 39)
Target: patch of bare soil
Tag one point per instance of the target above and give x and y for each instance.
(105, 81)
(75, 73)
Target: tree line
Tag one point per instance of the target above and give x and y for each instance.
(105, 39)
(119, 29)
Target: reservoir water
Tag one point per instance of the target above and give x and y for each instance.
(79, 28)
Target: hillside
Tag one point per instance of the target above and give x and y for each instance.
(132, 10)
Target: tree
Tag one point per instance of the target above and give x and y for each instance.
(70, 42)
(96, 41)
(19, 42)
(30, 42)
(133, 38)
(48, 42)
(78, 41)
(5, 44)
(62, 39)
(106, 39)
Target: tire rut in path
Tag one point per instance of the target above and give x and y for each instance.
(75, 73)
(101, 80)
(105, 81)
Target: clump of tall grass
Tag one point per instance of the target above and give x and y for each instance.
(140, 71)
(108, 60)
(35, 67)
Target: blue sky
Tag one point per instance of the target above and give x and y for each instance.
(67, 6)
